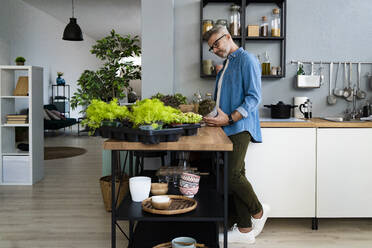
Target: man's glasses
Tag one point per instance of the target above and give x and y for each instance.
(215, 43)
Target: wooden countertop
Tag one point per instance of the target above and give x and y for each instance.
(318, 123)
(207, 139)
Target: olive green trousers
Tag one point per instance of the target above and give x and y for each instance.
(243, 202)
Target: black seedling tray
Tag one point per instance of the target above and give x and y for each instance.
(189, 129)
(138, 135)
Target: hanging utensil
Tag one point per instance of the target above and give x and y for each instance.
(337, 91)
(360, 93)
(350, 89)
(331, 99)
(346, 89)
(321, 73)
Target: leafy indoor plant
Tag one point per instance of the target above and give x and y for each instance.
(111, 80)
(20, 61)
(171, 100)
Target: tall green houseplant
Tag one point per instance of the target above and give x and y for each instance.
(111, 80)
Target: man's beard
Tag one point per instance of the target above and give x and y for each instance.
(223, 53)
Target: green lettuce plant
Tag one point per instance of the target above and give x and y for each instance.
(149, 111)
(99, 111)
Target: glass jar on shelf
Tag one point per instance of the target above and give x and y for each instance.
(222, 22)
(208, 96)
(275, 23)
(264, 27)
(207, 25)
(234, 20)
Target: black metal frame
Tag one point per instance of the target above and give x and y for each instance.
(243, 39)
(114, 214)
(66, 99)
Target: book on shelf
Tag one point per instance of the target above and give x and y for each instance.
(16, 122)
(17, 116)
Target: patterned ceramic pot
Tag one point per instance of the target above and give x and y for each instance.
(192, 178)
(189, 192)
(186, 184)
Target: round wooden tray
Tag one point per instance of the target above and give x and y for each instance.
(180, 205)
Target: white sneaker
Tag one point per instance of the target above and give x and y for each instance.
(258, 224)
(235, 236)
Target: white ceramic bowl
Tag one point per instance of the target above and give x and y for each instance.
(160, 198)
(175, 243)
(139, 188)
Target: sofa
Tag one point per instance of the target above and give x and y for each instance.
(57, 124)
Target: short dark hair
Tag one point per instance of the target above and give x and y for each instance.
(218, 29)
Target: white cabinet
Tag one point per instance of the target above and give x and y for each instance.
(344, 172)
(17, 167)
(282, 170)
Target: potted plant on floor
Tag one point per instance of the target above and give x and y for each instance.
(20, 61)
(112, 80)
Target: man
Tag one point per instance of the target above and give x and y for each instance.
(237, 95)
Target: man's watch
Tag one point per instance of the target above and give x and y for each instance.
(231, 121)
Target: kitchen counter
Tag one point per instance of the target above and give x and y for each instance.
(315, 123)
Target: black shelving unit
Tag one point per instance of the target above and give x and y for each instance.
(243, 39)
(61, 98)
(201, 223)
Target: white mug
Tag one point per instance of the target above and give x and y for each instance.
(139, 188)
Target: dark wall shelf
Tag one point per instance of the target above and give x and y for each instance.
(264, 38)
(243, 39)
(213, 76)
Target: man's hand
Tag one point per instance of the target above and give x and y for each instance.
(219, 121)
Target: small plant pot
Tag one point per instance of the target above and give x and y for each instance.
(20, 63)
(151, 127)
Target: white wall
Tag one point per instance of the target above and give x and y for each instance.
(37, 36)
(157, 47)
(337, 31)
(4, 52)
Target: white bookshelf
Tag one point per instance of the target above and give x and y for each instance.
(19, 167)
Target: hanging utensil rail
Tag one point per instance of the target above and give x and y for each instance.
(319, 62)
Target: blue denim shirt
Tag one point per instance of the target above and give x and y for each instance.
(241, 91)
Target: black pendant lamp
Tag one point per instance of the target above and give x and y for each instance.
(73, 31)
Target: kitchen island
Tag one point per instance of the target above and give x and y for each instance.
(313, 169)
(212, 206)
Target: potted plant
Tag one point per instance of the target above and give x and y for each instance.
(111, 80)
(59, 79)
(20, 61)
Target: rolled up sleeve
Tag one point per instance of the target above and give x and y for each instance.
(251, 85)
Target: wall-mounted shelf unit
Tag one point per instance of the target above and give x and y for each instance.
(244, 40)
(21, 167)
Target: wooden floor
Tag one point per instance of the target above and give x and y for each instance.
(66, 210)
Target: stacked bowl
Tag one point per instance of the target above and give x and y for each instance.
(189, 184)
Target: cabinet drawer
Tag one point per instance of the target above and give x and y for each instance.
(16, 169)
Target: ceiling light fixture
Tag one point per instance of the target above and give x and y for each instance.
(73, 31)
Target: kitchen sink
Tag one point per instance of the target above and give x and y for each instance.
(341, 119)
